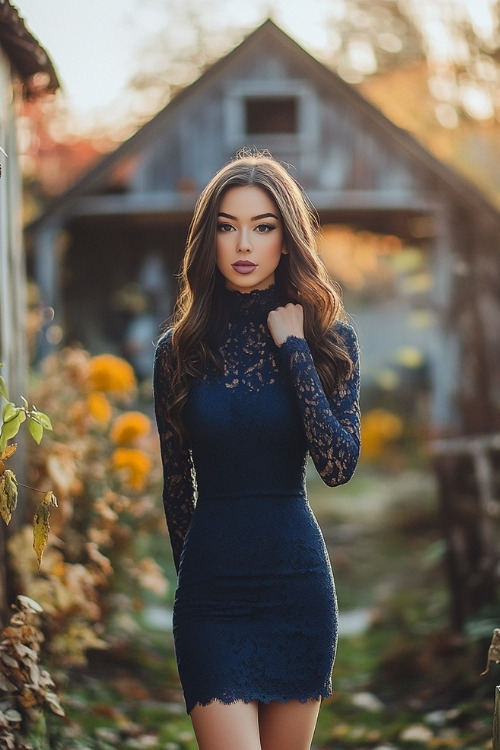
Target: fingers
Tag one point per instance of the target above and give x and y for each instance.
(286, 321)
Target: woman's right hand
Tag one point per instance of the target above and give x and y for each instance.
(286, 321)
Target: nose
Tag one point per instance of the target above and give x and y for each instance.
(244, 244)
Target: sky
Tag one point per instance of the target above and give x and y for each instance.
(95, 44)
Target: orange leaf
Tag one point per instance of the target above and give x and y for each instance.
(8, 452)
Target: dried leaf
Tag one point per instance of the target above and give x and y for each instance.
(62, 470)
(8, 452)
(22, 650)
(8, 495)
(30, 604)
(27, 698)
(41, 525)
(13, 716)
(53, 701)
(6, 685)
(493, 651)
(34, 672)
(50, 499)
(9, 661)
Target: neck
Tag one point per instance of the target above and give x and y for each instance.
(257, 300)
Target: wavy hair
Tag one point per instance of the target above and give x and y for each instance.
(300, 277)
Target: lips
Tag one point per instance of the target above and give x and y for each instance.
(244, 266)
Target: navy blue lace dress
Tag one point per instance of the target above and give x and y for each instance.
(255, 613)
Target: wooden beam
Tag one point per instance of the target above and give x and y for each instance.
(167, 202)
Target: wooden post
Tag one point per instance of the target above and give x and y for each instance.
(496, 720)
(467, 473)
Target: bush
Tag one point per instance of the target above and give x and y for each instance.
(103, 462)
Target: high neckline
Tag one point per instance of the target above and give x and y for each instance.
(257, 301)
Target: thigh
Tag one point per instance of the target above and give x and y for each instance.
(221, 726)
(288, 726)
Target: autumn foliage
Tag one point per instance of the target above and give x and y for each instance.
(100, 460)
(12, 417)
(25, 685)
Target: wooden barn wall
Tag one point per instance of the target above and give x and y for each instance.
(343, 152)
(12, 276)
(12, 289)
(475, 314)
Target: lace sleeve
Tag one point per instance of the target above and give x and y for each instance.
(178, 484)
(331, 426)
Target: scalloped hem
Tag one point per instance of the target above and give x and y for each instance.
(261, 699)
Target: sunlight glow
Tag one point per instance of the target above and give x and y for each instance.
(95, 45)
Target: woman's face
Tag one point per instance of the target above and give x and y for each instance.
(249, 238)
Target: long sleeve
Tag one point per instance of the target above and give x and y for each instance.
(331, 426)
(178, 483)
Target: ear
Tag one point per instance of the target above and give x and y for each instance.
(284, 250)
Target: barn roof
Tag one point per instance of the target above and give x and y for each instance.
(270, 36)
(25, 52)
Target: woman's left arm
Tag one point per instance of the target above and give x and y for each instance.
(331, 425)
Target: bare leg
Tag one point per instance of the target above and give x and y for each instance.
(288, 726)
(221, 726)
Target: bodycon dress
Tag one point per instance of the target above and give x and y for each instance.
(255, 612)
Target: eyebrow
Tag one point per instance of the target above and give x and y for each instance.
(254, 218)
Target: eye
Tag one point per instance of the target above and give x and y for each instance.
(224, 227)
(263, 228)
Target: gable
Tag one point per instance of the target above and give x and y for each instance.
(270, 93)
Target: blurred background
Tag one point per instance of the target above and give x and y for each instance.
(114, 115)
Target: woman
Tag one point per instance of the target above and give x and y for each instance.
(258, 371)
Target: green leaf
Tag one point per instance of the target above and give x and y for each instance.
(42, 418)
(3, 388)
(36, 430)
(9, 411)
(10, 429)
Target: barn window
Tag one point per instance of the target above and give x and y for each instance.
(267, 115)
(280, 115)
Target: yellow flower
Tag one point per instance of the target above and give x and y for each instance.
(129, 426)
(134, 464)
(378, 428)
(99, 407)
(112, 375)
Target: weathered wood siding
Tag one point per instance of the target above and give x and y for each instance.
(12, 271)
(335, 150)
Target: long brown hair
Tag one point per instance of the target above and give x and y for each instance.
(301, 277)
